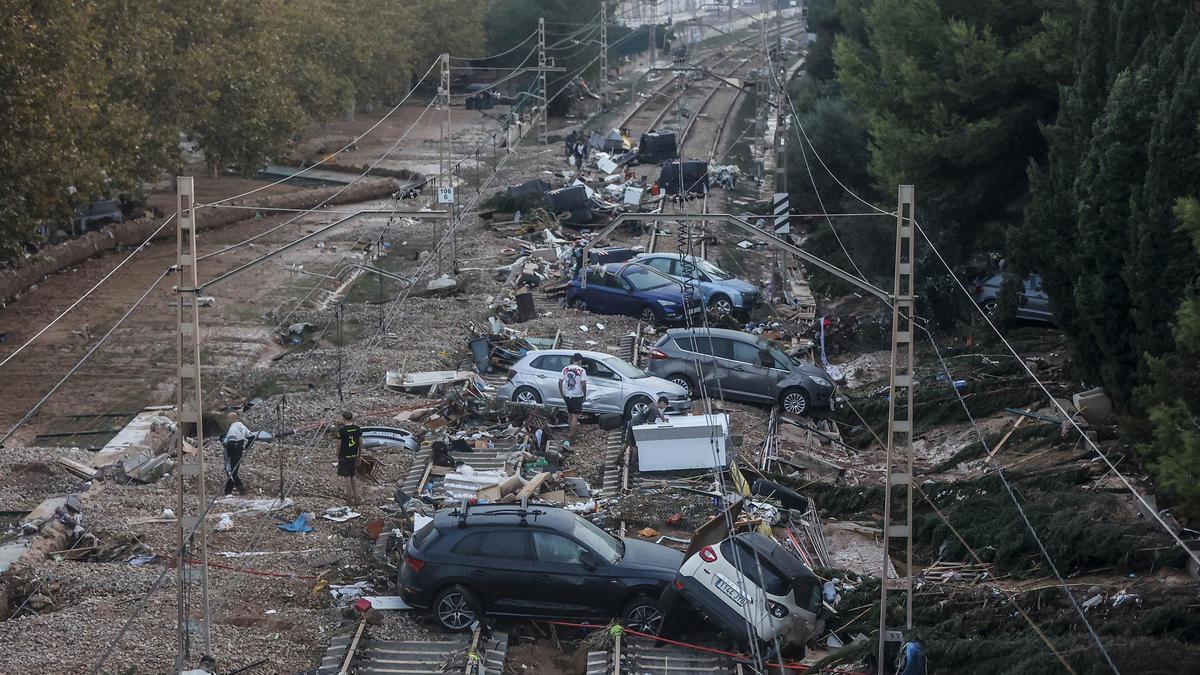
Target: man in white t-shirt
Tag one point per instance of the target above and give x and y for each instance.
(572, 384)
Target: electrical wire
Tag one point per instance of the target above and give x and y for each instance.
(318, 433)
(498, 54)
(326, 200)
(1011, 597)
(88, 293)
(330, 156)
(99, 343)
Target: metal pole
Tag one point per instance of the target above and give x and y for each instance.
(900, 425)
(604, 50)
(341, 397)
(189, 407)
(542, 79)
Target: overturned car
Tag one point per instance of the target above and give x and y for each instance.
(749, 587)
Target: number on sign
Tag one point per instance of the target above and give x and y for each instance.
(446, 195)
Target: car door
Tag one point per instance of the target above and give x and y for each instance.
(750, 372)
(719, 373)
(568, 588)
(625, 300)
(498, 566)
(604, 388)
(1038, 305)
(599, 292)
(547, 371)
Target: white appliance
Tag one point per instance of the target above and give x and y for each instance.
(683, 442)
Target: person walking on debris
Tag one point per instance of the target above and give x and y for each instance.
(569, 143)
(572, 385)
(349, 445)
(237, 440)
(652, 415)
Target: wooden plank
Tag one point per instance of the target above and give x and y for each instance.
(1005, 439)
(76, 468)
(532, 486)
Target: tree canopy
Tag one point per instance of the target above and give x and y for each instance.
(97, 92)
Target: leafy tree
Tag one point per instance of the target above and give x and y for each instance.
(1174, 391)
(1098, 223)
(951, 93)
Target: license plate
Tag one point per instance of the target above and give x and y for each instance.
(693, 310)
(726, 586)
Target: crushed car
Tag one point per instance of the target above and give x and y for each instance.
(749, 587)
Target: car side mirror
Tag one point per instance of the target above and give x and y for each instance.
(588, 560)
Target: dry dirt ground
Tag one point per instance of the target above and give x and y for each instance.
(272, 603)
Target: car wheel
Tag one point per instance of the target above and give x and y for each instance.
(455, 609)
(637, 404)
(527, 396)
(647, 315)
(580, 304)
(794, 401)
(641, 614)
(719, 305)
(989, 308)
(685, 382)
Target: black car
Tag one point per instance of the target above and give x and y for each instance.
(502, 560)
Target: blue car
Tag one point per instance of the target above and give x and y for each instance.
(723, 293)
(632, 289)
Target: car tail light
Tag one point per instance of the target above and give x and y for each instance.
(415, 564)
(978, 288)
(658, 354)
(678, 585)
(777, 610)
(707, 554)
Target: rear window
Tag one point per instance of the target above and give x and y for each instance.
(687, 344)
(426, 536)
(755, 569)
(551, 362)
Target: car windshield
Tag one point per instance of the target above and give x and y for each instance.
(624, 369)
(645, 280)
(780, 355)
(712, 270)
(596, 539)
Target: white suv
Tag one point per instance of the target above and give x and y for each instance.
(773, 596)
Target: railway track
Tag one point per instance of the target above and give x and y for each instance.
(647, 115)
(358, 653)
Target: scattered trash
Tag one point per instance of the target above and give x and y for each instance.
(300, 524)
(225, 524)
(648, 532)
(340, 514)
(141, 560)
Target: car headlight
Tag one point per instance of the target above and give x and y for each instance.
(668, 303)
(820, 381)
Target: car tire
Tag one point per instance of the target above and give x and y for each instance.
(720, 305)
(635, 404)
(580, 304)
(647, 315)
(642, 615)
(455, 608)
(685, 382)
(527, 396)
(989, 308)
(794, 401)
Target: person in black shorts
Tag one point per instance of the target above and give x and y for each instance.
(349, 445)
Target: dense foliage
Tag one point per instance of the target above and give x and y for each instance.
(97, 92)
(1059, 134)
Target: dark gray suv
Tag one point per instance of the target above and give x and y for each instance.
(740, 366)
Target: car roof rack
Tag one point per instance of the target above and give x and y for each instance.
(522, 510)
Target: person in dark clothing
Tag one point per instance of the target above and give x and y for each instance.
(652, 415)
(349, 446)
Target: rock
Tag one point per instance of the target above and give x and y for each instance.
(39, 602)
(442, 283)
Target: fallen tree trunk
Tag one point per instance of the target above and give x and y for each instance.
(16, 280)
